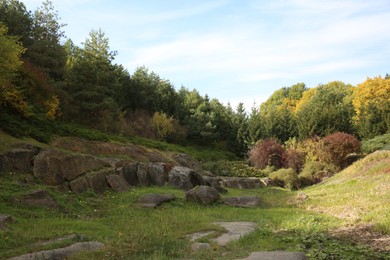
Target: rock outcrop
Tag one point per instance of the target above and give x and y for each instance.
(243, 202)
(184, 178)
(205, 195)
(37, 198)
(18, 159)
(242, 182)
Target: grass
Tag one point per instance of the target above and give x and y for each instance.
(130, 232)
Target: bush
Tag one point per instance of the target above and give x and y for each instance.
(381, 142)
(295, 159)
(286, 178)
(267, 152)
(338, 146)
(315, 172)
(233, 169)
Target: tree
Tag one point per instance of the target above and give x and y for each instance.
(10, 53)
(254, 126)
(371, 101)
(240, 123)
(327, 109)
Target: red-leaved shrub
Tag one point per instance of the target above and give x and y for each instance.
(267, 152)
(295, 159)
(338, 146)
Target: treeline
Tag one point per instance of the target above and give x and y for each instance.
(43, 74)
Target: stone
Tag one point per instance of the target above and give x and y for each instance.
(242, 182)
(95, 181)
(18, 159)
(243, 202)
(129, 172)
(157, 174)
(117, 183)
(200, 246)
(280, 255)
(5, 220)
(267, 181)
(62, 253)
(154, 200)
(39, 198)
(79, 185)
(214, 182)
(205, 195)
(143, 175)
(184, 178)
(235, 230)
(54, 167)
(187, 161)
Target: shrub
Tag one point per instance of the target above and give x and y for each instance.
(286, 178)
(295, 159)
(267, 152)
(338, 146)
(315, 172)
(233, 169)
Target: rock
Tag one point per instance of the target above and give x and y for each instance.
(187, 161)
(184, 178)
(117, 183)
(54, 167)
(157, 174)
(242, 183)
(38, 198)
(128, 171)
(267, 181)
(235, 230)
(244, 201)
(62, 253)
(154, 200)
(18, 159)
(280, 255)
(4, 220)
(143, 175)
(195, 236)
(214, 182)
(95, 181)
(205, 195)
(200, 246)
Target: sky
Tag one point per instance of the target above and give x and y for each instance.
(239, 51)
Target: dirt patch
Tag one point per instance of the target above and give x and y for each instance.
(364, 234)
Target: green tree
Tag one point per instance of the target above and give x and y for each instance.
(254, 126)
(240, 123)
(328, 109)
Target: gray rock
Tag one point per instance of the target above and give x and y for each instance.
(39, 198)
(5, 220)
(79, 185)
(154, 200)
(129, 172)
(95, 181)
(214, 182)
(54, 167)
(243, 202)
(143, 175)
(184, 178)
(200, 246)
(205, 195)
(279, 255)
(62, 253)
(117, 183)
(235, 230)
(157, 174)
(267, 181)
(242, 183)
(19, 159)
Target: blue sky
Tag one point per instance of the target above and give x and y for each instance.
(239, 51)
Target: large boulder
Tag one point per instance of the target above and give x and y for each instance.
(154, 200)
(205, 195)
(129, 172)
(54, 167)
(18, 159)
(214, 182)
(117, 182)
(143, 175)
(184, 178)
(39, 198)
(95, 181)
(243, 202)
(242, 182)
(157, 174)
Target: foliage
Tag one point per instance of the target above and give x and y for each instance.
(286, 178)
(295, 159)
(371, 100)
(267, 152)
(162, 125)
(381, 142)
(338, 146)
(233, 169)
(328, 109)
(315, 172)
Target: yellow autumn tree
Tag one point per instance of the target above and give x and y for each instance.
(371, 101)
(162, 125)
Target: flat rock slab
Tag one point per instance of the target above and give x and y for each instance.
(61, 253)
(195, 236)
(154, 200)
(276, 255)
(235, 231)
(243, 202)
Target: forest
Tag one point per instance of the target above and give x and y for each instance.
(44, 75)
